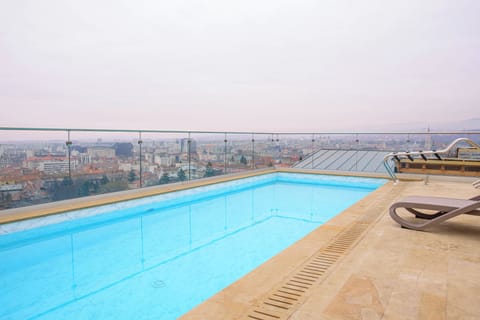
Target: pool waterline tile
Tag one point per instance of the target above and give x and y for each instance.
(37, 216)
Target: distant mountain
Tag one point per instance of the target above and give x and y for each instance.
(464, 125)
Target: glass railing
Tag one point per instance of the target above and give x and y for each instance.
(41, 165)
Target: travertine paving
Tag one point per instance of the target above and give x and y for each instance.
(387, 273)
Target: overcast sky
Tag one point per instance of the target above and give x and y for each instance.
(245, 65)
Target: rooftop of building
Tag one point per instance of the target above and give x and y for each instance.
(345, 160)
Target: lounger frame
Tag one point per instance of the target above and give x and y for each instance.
(439, 209)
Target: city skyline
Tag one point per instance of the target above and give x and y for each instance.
(40, 171)
(249, 66)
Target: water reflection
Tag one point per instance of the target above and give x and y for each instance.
(50, 275)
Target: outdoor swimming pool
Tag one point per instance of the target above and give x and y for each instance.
(158, 257)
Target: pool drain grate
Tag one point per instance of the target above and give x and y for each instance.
(282, 301)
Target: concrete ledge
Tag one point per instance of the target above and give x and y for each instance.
(36, 211)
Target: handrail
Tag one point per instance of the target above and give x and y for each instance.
(411, 154)
(321, 133)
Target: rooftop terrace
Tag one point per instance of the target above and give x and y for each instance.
(360, 264)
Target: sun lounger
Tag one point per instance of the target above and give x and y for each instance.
(438, 210)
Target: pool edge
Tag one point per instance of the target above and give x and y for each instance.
(52, 208)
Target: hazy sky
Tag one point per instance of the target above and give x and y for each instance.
(245, 65)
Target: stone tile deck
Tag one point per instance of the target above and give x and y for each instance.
(386, 272)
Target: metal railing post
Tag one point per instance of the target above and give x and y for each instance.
(253, 151)
(189, 157)
(69, 144)
(278, 149)
(225, 154)
(357, 146)
(313, 148)
(140, 156)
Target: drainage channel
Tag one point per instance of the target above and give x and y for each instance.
(284, 299)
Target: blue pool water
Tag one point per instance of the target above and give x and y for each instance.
(158, 257)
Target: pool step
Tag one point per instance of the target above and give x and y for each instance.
(283, 300)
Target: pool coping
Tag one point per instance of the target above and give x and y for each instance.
(58, 207)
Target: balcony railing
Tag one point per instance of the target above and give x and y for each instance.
(39, 165)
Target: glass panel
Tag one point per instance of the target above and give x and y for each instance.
(207, 155)
(164, 158)
(39, 166)
(34, 168)
(106, 161)
(240, 148)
